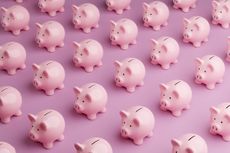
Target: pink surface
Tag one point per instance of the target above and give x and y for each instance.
(78, 128)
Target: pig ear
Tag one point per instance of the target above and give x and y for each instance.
(1, 101)
(47, 31)
(78, 147)
(215, 4)
(176, 94)
(214, 110)
(113, 23)
(76, 44)
(88, 97)
(155, 10)
(145, 6)
(136, 122)
(75, 8)
(175, 142)
(163, 87)
(197, 26)
(35, 67)
(6, 54)
(124, 114)
(84, 12)
(12, 15)
(198, 61)
(227, 116)
(77, 90)
(43, 126)
(45, 73)
(189, 150)
(154, 42)
(186, 21)
(3, 9)
(117, 64)
(211, 68)
(226, 7)
(86, 51)
(165, 49)
(122, 28)
(129, 71)
(38, 25)
(32, 118)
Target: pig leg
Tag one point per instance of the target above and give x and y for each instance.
(87, 30)
(165, 24)
(193, 5)
(103, 110)
(226, 138)
(26, 28)
(165, 66)
(11, 71)
(125, 46)
(134, 42)
(146, 25)
(142, 83)
(48, 145)
(187, 107)
(176, 113)
(128, 7)
(62, 9)
(96, 26)
(120, 11)
(185, 40)
(89, 69)
(51, 49)
(175, 6)
(206, 39)
(157, 27)
(61, 138)
(109, 9)
(5, 120)
(197, 81)
(225, 25)
(131, 89)
(211, 86)
(61, 44)
(91, 116)
(42, 10)
(52, 13)
(16, 32)
(99, 64)
(220, 81)
(150, 134)
(176, 61)
(113, 43)
(61, 86)
(19, 113)
(186, 9)
(197, 44)
(138, 141)
(214, 22)
(49, 92)
(23, 66)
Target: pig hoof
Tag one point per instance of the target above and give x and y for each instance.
(96, 26)
(6, 120)
(61, 45)
(150, 134)
(62, 9)
(61, 138)
(100, 64)
(225, 26)
(87, 30)
(175, 7)
(11, 72)
(210, 86)
(177, 113)
(52, 13)
(142, 83)
(146, 25)
(51, 49)
(165, 24)
(50, 93)
(16, 33)
(226, 138)
(61, 86)
(197, 44)
(124, 47)
(48, 145)
(220, 81)
(193, 6)
(185, 9)
(19, 113)
(214, 22)
(165, 67)
(156, 28)
(134, 42)
(128, 7)
(89, 69)
(138, 142)
(92, 117)
(131, 89)
(103, 110)
(119, 11)
(26, 28)
(23, 66)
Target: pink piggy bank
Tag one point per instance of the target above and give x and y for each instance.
(184, 5)
(50, 35)
(13, 57)
(156, 14)
(129, 73)
(118, 5)
(15, 19)
(94, 145)
(123, 33)
(88, 54)
(10, 103)
(196, 30)
(85, 17)
(228, 50)
(47, 127)
(90, 100)
(164, 52)
(220, 120)
(189, 143)
(176, 96)
(51, 6)
(137, 123)
(221, 13)
(209, 71)
(19, 1)
(48, 76)
(6, 148)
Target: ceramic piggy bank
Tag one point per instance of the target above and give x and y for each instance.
(137, 123)
(90, 99)
(189, 143)
(88, 54)
(51, 6)
(50, 35)
(176, 96)
(196, 30)
(221, 13)
(48, 76)
(184, 5)
(164, 51)
(94, 145)
(156, 14)
(6, 148)
(220, 120)
(15, 19)
(209, 71)
(228, 50)
(118, 5)
(86, 17)
(47, 127)
(10, 103)
(123, 33)
(13, 57)
(129, 73)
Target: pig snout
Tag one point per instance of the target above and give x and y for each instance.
(36, 83)
(145, 19)
(32, 136)
(76, 21)
(38, 41)
(163, 105)
(113, 37)
(216, 17)
(187, 35)
(215, 129)
(76, 60)
(124, 132)
(199, 77)
(78, 108)
(175, 1)
(118, 80)
(108, 3)
(4, 24)
(41, 5)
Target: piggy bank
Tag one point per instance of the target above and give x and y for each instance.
(137, 123)
(209, 71)
(176, 96)
(228, 50)
(189, 143)
(196, 30)
(19, 1)
(50, 35)
(130, 73)
(85, 17)
(220, 120)
(88, 54)
(94, 145)
(13, 57)
(15, 19)
(221, 13)
(47, 127)
(123, 33)
(156, 14)
(118, 5)
(48, 76)
(90, 100)
(6, 148)
(164, 52)
(184, 5)
(10, 103)
(51, 6)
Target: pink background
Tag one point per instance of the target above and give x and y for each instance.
(107, 125)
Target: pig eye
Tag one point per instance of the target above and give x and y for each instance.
(83, 101)
(77, 98)
(221, 122)
(124, 122)
(170, 98)
(198, 68)
(186, 28)
(38, 129)
(8, 18)
(130, 125)
(43, 35)
(79, 16)
(2, 57)
(151, 14)
(123, 74)
(117, 32)
(205, 71)
(32, 126)
(214, 118)
(40, 77)
(159, 51)
(191, 30)
(35, 74)
(221, 11)
(81, 54)
(163, 94)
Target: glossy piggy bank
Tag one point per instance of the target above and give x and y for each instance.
(184, 5)
(123, 32)
(118, 5)
(47, 127)
(15, 19)
(48, 76)
(164, 51)
(228, 50)
(13, 57)
(129, 73)
(51, 6)
(137, 123)
(91, 99)
(196, 30)
(50, 35)
(220, 120)
(189, 143)
(156, 14)
(86, 17)
(176, 96)
(210, 70)
(88, 54)
(6, 148)
(10, 103)
(221, 13)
